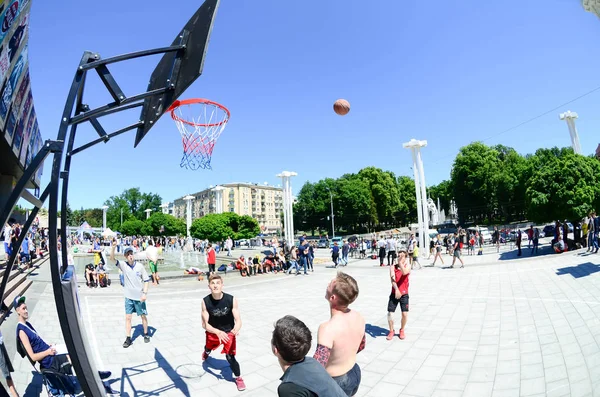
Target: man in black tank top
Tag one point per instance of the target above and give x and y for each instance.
(222, 322)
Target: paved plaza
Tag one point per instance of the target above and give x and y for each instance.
(498, 327)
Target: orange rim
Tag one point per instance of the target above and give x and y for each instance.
(193, 101)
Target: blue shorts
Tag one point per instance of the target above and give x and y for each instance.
(350, 381)
(137, 307)
(7, 248)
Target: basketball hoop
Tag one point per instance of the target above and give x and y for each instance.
(200, 123)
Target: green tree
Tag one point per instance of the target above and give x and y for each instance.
(172, 226)
(443, 192)
(354, 205)
(384, 190)
(510, 179)
(134, 227)
(217, 227)
(474, 180)
(563, 185)
(407, 210)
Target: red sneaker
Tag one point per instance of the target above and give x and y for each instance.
(390, 335)
(239, 382)
(204, 356)
(401, 334)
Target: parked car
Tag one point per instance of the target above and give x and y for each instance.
(335, 239)
(322, 243)
(548, 230)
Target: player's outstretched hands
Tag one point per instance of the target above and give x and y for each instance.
(223, 337)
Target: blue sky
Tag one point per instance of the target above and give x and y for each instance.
(447, 72)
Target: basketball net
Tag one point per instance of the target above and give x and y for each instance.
(200, 123)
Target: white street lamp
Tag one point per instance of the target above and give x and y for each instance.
(421, 192)
(218, 199)
(288, 202)
(147, 211)
(570, 118)
(332, 223)
(104, 208)
(189, 213)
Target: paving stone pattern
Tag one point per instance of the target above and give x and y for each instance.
(524, 327)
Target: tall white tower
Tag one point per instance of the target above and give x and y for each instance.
(570, 119)
(420, 190)
(288, 202)
(188, 215)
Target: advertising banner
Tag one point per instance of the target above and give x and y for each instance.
(27, 136)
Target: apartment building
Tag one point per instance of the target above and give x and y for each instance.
(262, 202)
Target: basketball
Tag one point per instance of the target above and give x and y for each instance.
(341, 107)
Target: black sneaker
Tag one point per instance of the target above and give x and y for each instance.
(127, 342)
(147, 338)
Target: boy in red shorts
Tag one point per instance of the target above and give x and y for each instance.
(222, 322)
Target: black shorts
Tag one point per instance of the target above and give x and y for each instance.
(393, 303)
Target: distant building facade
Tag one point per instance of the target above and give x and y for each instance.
(262, 202)
(598, 152)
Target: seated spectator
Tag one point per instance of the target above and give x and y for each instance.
(102, 275)
(293, 261)
(250, 266)
(257, 265)
(302, 376)
(268, 264)
(32, 345)
(241, 266)
(560, 247)
(91, 275)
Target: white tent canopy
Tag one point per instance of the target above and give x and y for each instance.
(108, 233)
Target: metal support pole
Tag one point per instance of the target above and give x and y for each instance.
(418, 194)
(425, 240)
(188, 215)
(332, 222)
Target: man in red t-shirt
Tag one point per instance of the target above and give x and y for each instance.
(399, 274)
(211, 258)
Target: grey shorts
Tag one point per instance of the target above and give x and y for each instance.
(457, 253)
(350, 381)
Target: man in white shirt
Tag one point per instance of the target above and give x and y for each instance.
(391, 249)
(7, 233)
(152, 255)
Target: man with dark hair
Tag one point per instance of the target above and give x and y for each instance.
(52, 357)
(302, 376)
(343, 336)
(222, 321)
(135, 287)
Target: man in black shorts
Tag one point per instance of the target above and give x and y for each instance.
(222, 321)
(302, 376)
(399, 274)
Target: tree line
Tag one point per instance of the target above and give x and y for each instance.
(488, 184)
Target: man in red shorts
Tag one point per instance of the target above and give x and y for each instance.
(399, 276)
(222, 322)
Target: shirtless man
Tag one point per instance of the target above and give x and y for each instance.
(343, 336)
(399, 276)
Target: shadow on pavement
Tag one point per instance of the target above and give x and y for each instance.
(581, 270)
(161, 363)
(221, 365)
(376, 330)
(526, 253)
(138, 331)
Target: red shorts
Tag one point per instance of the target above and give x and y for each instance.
(212, 342)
